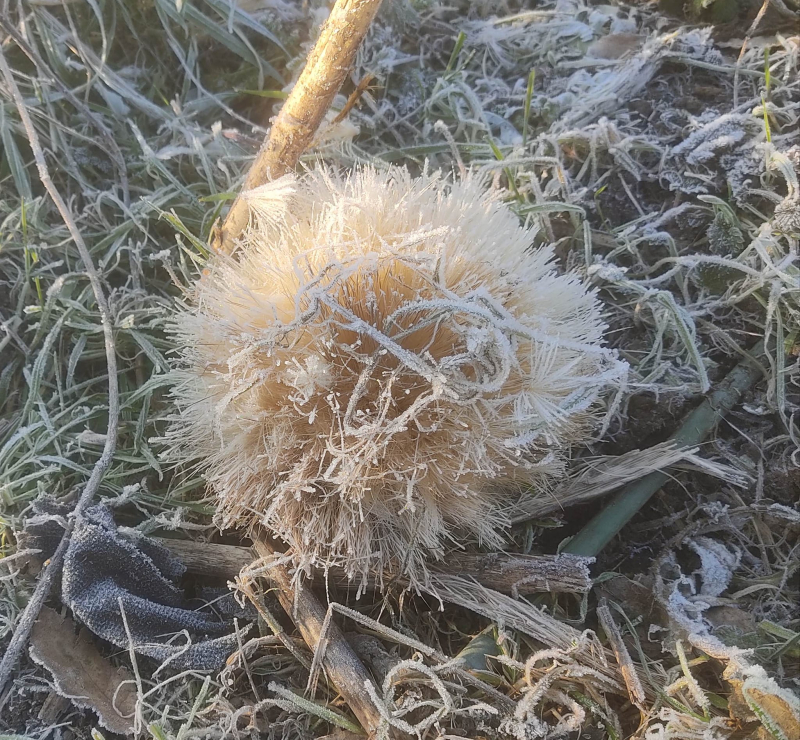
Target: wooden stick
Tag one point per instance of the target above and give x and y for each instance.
(518, 574)
(327, 67)
(340, 662)
(293, 130)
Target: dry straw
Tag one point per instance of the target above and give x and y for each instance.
(383, 367)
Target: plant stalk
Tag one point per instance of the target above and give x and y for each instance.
(341, 664)
(695, 428)
(294, 128)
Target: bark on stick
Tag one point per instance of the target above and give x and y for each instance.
(294, 128)
(507, 573)
(340, 662)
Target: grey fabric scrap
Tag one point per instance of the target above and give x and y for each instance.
(107, 572)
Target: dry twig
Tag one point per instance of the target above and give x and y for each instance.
(42, 591)
(342, 665)
(507, 573)
(293, 130)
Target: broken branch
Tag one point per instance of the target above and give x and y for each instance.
(508, 573)
(340, 662)
(28, 618)
(298, 120)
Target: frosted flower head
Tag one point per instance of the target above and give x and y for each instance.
(382, 368)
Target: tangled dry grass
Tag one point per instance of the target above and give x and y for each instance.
(659, 160)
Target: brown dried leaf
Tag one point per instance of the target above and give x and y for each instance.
(775, 712)
(637, 598)
(753, 702)
(82, 674)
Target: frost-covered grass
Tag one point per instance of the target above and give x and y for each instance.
(668, 177)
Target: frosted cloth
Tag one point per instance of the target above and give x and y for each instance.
(108, 570)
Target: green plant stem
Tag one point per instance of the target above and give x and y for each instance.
(695, 428)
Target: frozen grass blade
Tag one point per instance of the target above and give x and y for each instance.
(526, 111)
(46, 580)
(590, 541)
(335, 718)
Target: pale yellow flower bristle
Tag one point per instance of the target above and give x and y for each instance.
(383, 367)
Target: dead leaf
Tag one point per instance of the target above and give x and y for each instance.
(82, 674)
(614, 46)
(637, 598)
(53, 708)
(732, 618)
(750, 705)
(775, 713)
(738, 707)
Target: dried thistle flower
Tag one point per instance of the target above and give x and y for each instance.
(385, 366)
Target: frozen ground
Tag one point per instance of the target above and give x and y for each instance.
(661, 158)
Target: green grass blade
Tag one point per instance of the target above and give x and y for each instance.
(695, 428)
